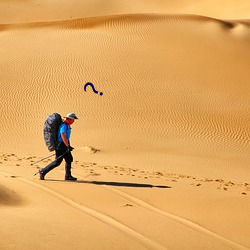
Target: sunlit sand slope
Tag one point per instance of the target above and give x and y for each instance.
(175, 88)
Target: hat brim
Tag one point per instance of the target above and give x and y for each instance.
(72, 118)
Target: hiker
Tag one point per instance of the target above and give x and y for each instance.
(63, 149)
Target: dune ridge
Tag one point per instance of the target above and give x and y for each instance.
(110, 20)
(50, 11)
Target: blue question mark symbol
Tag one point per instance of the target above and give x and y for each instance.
(92, 86)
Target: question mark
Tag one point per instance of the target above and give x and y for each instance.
(92, 86)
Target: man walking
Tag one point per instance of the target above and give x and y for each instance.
(63, 150)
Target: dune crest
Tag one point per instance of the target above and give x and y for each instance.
(117, 20)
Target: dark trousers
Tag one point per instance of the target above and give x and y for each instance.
(60, 155)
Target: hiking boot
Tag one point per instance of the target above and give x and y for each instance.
(70, 178)
(41, 175)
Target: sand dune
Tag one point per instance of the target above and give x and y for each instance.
(162, 157)
(37, 11)
(155, 99)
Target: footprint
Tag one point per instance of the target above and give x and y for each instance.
(128, 205)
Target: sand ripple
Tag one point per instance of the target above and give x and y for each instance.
(169, 81)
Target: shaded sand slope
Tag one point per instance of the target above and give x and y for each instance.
(8, 197)
(176, 90)
(13, 11)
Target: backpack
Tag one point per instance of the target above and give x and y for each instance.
(50, 130)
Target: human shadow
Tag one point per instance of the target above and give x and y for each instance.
(122, 184)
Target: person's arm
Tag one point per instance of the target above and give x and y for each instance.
(66, 142)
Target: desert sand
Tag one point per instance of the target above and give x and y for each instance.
(162, 157)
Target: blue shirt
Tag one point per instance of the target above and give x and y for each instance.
(64, 128)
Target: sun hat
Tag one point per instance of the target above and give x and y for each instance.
(71, 116)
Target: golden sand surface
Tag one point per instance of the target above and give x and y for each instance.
(162, 157)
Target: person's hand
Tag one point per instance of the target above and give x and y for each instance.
(69, 148)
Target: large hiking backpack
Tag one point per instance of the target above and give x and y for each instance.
(50, 130)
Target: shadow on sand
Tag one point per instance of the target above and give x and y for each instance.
(122, 184)
(116, 184)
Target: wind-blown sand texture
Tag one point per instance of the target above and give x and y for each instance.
(162, 157)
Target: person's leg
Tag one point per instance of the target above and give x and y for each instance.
(52, 165)
(68, 160)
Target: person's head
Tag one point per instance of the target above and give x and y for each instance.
(70, 118)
